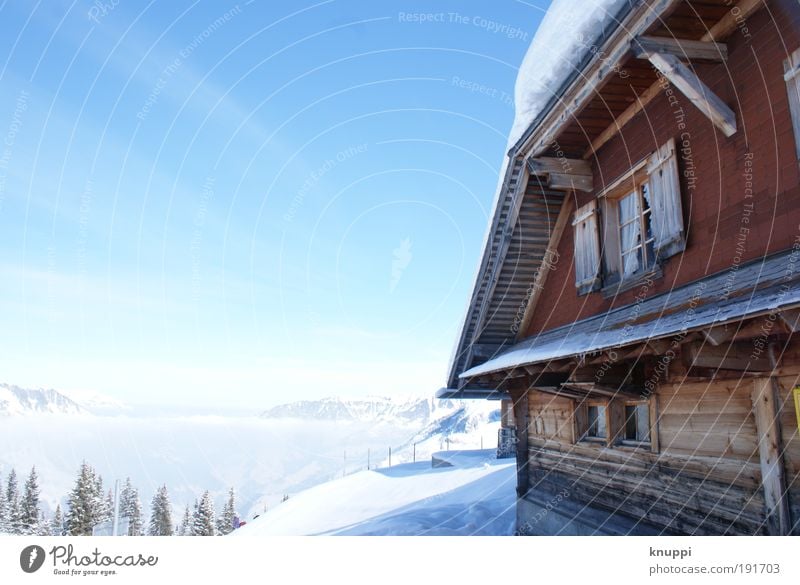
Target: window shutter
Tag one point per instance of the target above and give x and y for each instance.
(791, 73)
(665, 202)
(612, 266)
(587, 248)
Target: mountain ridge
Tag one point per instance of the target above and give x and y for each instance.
(18, 401)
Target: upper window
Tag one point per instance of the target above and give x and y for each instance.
(635, 231)
(637, 224)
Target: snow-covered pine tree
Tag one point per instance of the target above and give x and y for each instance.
(3, 529)
(130, 507)
(57, 525)
(226, 520)
(84, 502)
(160, 514)
(13, 504)
(105, 501)
(43, 527)
(134, 515)
(5, 525)
(195, 509)
(29, 506)
(185, 527)
(204, 518)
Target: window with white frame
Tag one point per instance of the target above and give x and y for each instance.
(635, 231)
(637, 224)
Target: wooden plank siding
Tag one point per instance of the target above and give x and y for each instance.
(788, 379)
(671, 495)
(708, 419)
(706, 479)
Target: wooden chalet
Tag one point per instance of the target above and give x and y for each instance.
(639, 293)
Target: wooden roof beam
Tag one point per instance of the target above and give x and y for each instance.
(731, 21)
(791, 319)
(685, 80)
(644, 46)
(586, 86)
(642, 100)
(735, 356)
(724, 27)
(563, 173)
(592, 389)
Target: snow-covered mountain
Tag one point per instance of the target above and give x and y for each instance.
(414, 410)
(288, 449)
(16, 401)
(468, 424)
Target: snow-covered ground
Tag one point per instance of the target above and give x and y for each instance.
(290, 449)
(473, 497)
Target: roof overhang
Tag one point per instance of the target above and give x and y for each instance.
(468, 393)
(587, 110)
(763, 288)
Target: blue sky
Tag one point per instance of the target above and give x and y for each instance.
(235, 205)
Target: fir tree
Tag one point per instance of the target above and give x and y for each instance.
(4, 529)
(130, 507)
(29, 506)
(13, 511)
(57, 526)
(228, 517)
(160, 514)
(204, 518)
(185, 528)
(104, 505)
(195, 509)
(84, 502)
(43, 527)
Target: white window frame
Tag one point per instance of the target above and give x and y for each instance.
(791, 75)
(658, 173)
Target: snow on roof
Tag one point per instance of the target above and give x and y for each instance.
(759, 287)
(569, 31)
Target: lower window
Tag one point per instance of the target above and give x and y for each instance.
(637, 423)
(597, 427)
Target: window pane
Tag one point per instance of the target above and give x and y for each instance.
(629, 232)
(649, 257)
(630, 422)
(627, 208)
(601, 421)
(642, 422)
(592, 430)
(597, 422)
(637, 422)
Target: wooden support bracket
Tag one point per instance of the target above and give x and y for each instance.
(695, 90)
(644, 46)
